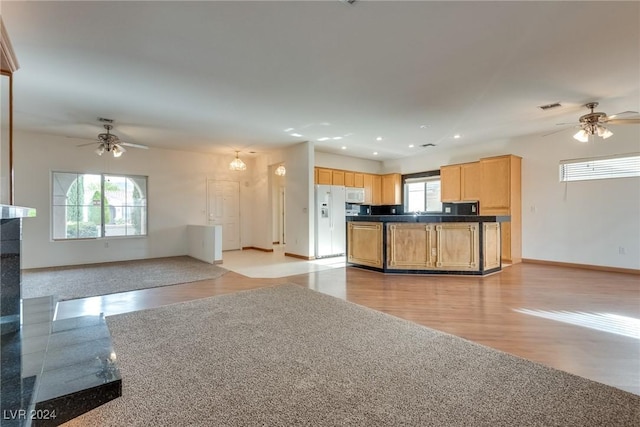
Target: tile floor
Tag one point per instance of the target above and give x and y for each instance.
(258, 264)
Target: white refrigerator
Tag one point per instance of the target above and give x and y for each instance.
(330, 221)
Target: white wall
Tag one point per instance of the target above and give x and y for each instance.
(334, 161)
(299, 203)
(580, 222)
(176, 197)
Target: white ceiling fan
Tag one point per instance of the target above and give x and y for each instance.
(111, 143)
(593, 123)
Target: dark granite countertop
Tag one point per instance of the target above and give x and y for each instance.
(430, 218)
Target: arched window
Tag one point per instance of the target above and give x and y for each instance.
(89, 206)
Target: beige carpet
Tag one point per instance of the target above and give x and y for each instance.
(286, 355)
(113, 277)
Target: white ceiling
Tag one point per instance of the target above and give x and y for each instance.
(222, 76)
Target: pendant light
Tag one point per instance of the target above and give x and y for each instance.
(281, 170)
(237, 164)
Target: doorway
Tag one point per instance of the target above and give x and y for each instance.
(278, 193)
(223, 208)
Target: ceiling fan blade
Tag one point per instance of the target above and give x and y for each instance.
(129, 144)
(623, 121)
(90, 143)
(613, 116)
(555, 131)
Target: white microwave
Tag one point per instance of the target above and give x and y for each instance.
(354, 195)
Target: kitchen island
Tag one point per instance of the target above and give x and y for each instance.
(425, 244)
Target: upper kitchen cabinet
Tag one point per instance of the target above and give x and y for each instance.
(470, 181)
(460, 182)
(324, 176)
(500, 191)
(372, 189)
(391, 189)
(450, 183)
(349, 179)
(337, 177)
(376, 190)
(358, 180)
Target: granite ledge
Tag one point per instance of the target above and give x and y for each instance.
(12, 211)
(430, 218)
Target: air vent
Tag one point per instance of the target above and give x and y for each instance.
(550, 106)
(428, 145)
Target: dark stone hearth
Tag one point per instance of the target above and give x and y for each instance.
(52, 371)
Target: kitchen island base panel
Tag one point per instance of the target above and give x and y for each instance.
(365, 242)
(443, 247)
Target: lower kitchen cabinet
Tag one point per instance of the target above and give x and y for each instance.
(365, 243)
(411, 246)
(452, 246)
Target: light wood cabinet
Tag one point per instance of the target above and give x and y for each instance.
(376, 190)
(349, 180)
(358, 180)
(460, 182)
(496, 175)
(337, 177)
(491, 243)
(496, 183)
(365, 243)
(367, 180)
(325, 176)
(391, 189)
(450, 183)
(411, 246)
(457, 246)
(470, 174)
(430, 246)
(501, 195)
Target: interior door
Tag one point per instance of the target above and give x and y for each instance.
(223, 205)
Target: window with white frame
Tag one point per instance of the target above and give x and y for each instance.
(422, 194)
(619, 166)
(89, 206)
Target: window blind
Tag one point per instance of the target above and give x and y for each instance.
(620, 166)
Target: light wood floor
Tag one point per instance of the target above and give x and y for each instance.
(482, 310)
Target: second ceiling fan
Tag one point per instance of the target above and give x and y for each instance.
(593, 123)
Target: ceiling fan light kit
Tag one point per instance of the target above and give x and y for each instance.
(237, 164)
(591, 124)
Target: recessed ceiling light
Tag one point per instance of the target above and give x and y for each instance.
(457, 136)
(344, 148)
(379, 138)
(375, 153)
(288, 129)
(337, 137)
(297, 135)
(411, 146)
(324, 138)
(424, 126)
